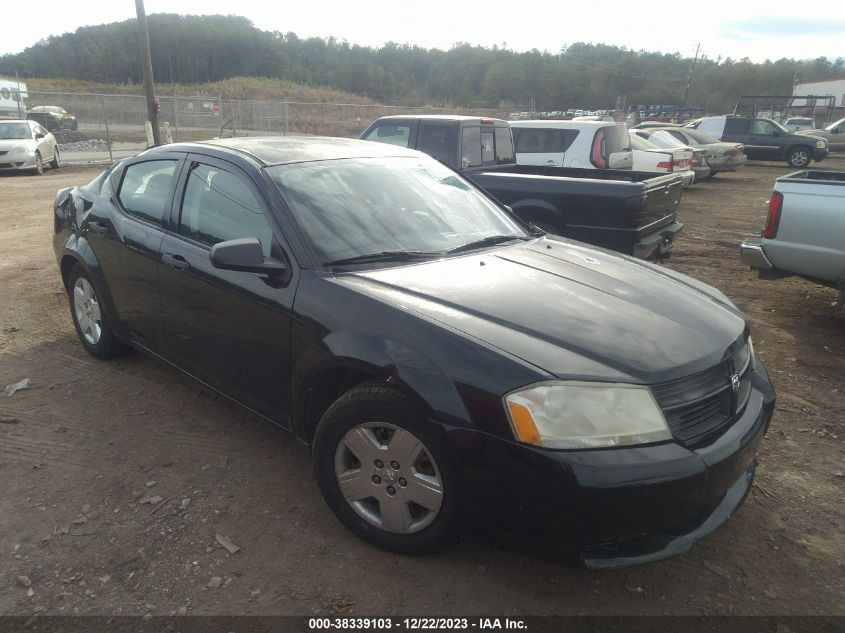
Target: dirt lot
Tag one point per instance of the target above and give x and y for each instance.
(87, 441)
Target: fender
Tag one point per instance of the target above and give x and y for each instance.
(381, 358)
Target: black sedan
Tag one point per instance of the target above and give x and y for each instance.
(54, 118)
(442, 360)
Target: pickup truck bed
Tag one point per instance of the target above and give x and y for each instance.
(805, 235)
(627, 211)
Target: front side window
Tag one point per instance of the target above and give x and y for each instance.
(145, 191)
(354, 207)
(390, 134)
(219, 206)
(437, 141)
(736, 126)
(762, 128)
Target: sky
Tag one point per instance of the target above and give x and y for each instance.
(758, 30)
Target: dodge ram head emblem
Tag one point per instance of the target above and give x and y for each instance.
(735, 383)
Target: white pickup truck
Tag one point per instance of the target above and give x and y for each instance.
(805, 232)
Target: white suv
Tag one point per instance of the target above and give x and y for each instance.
(581, 144)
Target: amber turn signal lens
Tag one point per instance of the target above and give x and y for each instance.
(523, 424)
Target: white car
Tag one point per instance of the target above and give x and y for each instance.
(653, 158)
(580, 144)
(26, 145)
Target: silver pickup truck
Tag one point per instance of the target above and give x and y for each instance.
(805, 232)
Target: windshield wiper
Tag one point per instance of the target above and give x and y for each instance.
(384, 256)
(486, 241)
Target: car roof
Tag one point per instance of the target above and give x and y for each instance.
(439, 117)
(14, 121)
(561, 123)
(278, 150)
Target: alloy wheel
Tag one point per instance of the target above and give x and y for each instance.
(86, 309)
(388, 477)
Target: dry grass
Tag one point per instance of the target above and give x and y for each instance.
(249, 88)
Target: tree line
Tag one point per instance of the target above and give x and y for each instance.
(199, 49)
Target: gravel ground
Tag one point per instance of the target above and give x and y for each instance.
(124, 482)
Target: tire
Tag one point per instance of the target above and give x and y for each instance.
(374, 441)
(799, 157)
(38, 170)
(89, 317)
(56, 162)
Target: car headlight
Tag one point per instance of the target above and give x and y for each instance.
(20, 150)
(821, 144)
(577, 415)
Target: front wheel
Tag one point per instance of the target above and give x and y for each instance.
(56, 162)
(39, 165)
(799, 157)
(385, 474)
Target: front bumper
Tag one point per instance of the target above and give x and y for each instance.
(659, 243)
(16, 163)
(626, 506)
(820, 154)
(751, 253)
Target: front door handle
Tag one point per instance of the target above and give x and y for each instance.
(176, 262)
(99, 227)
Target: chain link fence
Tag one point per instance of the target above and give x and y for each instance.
(103, 128)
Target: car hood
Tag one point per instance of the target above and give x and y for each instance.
(6, 145)
(571, 310)
(812, 134)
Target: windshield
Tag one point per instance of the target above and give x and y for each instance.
(354, 207)
(15, 131)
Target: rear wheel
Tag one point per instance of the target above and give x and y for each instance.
(89, 317)
(56, 162)
(384, 474)
(799, 157)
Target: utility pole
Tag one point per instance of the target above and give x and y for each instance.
(689, 77)
(147, 66)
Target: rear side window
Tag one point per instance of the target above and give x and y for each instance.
(220, 206)
(390, 134)
(504, 146)
(145, 190)
(470, 147)
(543, 140)
(437, 141)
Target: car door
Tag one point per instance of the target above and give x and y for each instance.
(125, 233)
(44, 141)
(230, 329)
(764, 139)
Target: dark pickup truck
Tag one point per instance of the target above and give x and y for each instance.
(627, 211)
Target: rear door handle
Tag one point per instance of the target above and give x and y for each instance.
(99, 227)
(176, 262)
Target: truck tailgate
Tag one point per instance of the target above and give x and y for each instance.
(662, 196)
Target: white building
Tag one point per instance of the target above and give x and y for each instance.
(832, 87)
(12, 102)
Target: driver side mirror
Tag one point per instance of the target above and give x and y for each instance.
(245, 255)
(38, 136)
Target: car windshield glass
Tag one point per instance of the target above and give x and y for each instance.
(367, 206)
(15, 131)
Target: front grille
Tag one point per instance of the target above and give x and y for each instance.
(4, 152)
(702, 406)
